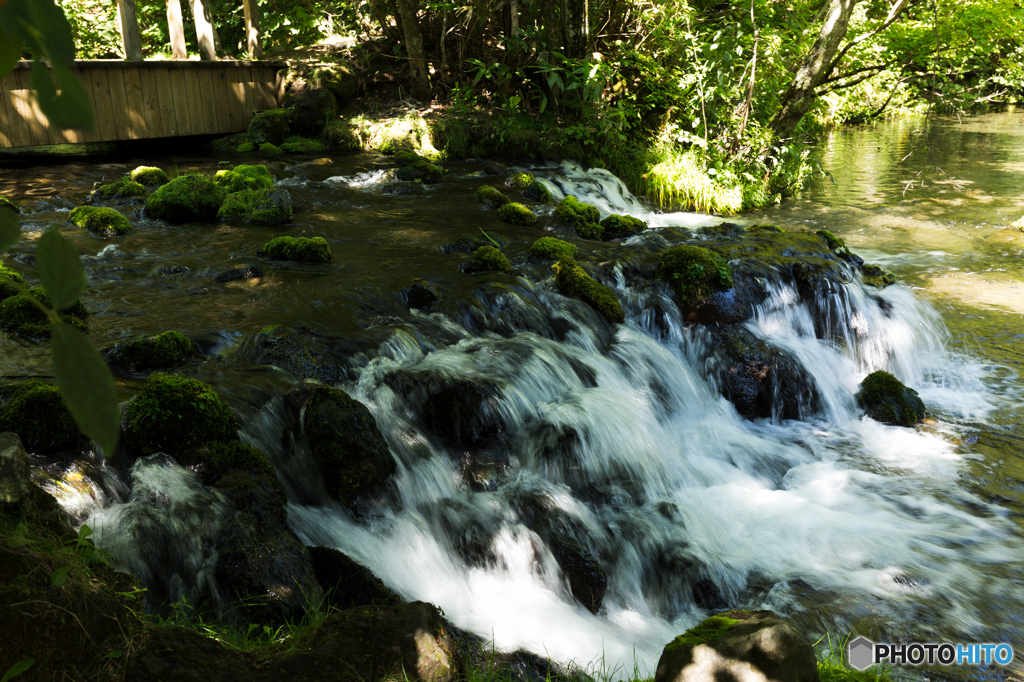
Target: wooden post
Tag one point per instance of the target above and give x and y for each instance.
(129, 30)
(204, 30)
(177, 29)
(252, 29)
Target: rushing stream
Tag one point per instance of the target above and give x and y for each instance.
(835, 520)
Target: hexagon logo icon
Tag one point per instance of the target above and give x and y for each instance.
(860, 653)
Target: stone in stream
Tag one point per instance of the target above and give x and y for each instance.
(149, 176)
(295, 350)
(186, 198)
(105, 221)
(301, 249)
(270, 126)
(419, 294)
(515, 213)
(124, 189)
(490, 197)
(424, 171)
(583, 218)
(11, 282)
(244, 177)
(884, 398)
(158, 351)
(247, 271)
(21, 316)
(257, 206)
(311, 106)
(573, 280)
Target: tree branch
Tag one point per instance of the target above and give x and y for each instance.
(894, 12)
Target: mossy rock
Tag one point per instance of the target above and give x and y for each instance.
(261, 207)
(239, 143)
(350, 453)
(490, 196)
(406, 157)
(19, 315)
(877, 277)
(241, 178)
(572, 280)
(766, 228)
(312, 107)
(581, 217)
(554, 249)
(302, 145)
(520, 180)
(838, 247)
(297, 351)
(172, 414)
(149, 176)
(100, 219)
(35, 411)
(186, 198)
(536, 191)
(515, 213)
(694, 272)
(8, 279)
(618, 226)
(489, 258)
(270, 127)
(709, 629)
(7, 203)
(339, 79)
(886, 399)
(159, 351)
(302, 249)
(424, 171)
(216, 458)
(267, 149)
(120, 189)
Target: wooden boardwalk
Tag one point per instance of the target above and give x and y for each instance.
(138, 100)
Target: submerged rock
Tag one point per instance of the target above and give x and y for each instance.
(886, 399)
(105, 221)
(35, 411)
(419, 294)
(159, 351)
(186, 198)
(248, 271)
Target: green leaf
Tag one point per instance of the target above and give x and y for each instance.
(10, 52)
(18, 668)
(84, 532)
(10, 228)
(59, 577)
(116, 653)
(86, 385)
(65, 104)
(60, 268)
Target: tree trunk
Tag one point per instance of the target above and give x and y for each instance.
(816, 67)
(413, 39)
(204, 30)
(252, 29)
(177, 29)
(575, 28)
(129, 30)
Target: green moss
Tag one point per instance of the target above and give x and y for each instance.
(835, 244)
(765, 228)
(186, 198)
(268, 149)
(314, 250)
(490, 258)
(711, 628)
(877, 277)
(490, 196)
(159, 351)
(150, 176)
(535, 191)
(122, 188)
(516, 214)
(105, 221)
(255, 206)
(404, 157)
(886, 399)
(572, 280)
(241, 178)
(10, 281)
(521, 180)
(579, 216)
(172, 414)
(555, 249)
(4, 201)
(269, 127)
(616, 226)
(239, 143)
(35, 411)
(424, 171)
(19, 315)
(302, 145)
(216, 458)
(694, 272)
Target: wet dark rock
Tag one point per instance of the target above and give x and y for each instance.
(886, 399)
(248, 271)
(517, 666)
(536, 191)
(463, 409)
(587, 580)
(295, 350)
(15, 482)
(423, 171)
(419, 294)
(403, 188)
(499, 170)
(158, 351)
(270, 126)
(468, 527)
(721, 307)
(347, 583)
(877, 277)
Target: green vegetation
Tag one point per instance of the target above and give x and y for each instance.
(122, 188)
(694, 272)
(159, 351)
(11, 283)
(262, 207)
(877, 277)
(269, 127)
(490, 258)
(554, 249)
(22, 315)
(34, 410)
(186, 198)
(268, 149)
(424, 171)
(241, 178)
(536, 191)
(516, 214)
(618, 226)
(491, 196)
(5, 202)
(306, 250)
(105, 221)
(583, 218)
(521, 180)
(707, 630)
(886, 399)
(216, 458)
(302, 145)
(572, 280)
(150, 176)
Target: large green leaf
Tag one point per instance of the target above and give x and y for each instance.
(10, 228)
(86, 385)
(10, 51)
(65, 104)
(18, 668)
(58, 265)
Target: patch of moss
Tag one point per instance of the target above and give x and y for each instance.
(520, 180)
(579, 216)
(694, 272)
(270, 127)
(159, 351)
(404, 157)
(263, 207)
(490, 258)
(302, 145)
(535, 191)
(172, 414)
(572, 280)
(186, 198)
(711, 628)
(555, 249)
(516, 214)
(837, 246)
(105, 221)
(268, 149)
(491, 196)
(5, 202)
(877, 277)
(239, 143)
(241, 178)
(306, 250)
(8, 279)
(19, 315)
(617, 226)
(765, 228)
(122, 188)
(216, 458)
(150, 176)
(886, 399)
(35, 411)
(424, 171)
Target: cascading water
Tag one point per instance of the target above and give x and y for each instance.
(553, 435)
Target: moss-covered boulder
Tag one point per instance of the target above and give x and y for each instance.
(497, 169)
(239, 143)
(420, 294)
(515, 213)
(34, 410)
(186, 198)
(488, 258)
(339, 79)
(149, 176)
(267, 149)
(302, 145)
(6, 203)
(618, 226)
(491, 197)
(536, 191)
(877, 277)
(102, 220)
(583, 218)
(122, 189)
(520, 180)
(351, 455)
(20, 315)
(11, 282)
(424, 171)
(554, 249)
(172, 414)
(143, 353)
(884, 398)
(261, 206)
(312, 107)
(407, 157)
(694, 272)
(214, 459)
(241, 178)
(572, 280)
(271, 126)
(302, 249)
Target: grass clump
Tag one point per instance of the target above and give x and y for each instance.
(694, 272)
(261, 206)
(241, 178)
(302, 249)
(516, 214)
(491, 196)
(102, 220)
(35, 411)
(150, 176)
(554, 249)
(20, 314)
(186, 198)
(886, 399)
(122, 188)
(490, 258)
(709, 629)
(159, 351)
(572, 280)
(617, 226)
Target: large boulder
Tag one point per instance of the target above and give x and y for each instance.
(20, 315)
(884, 398)
(257, 206)
(15, 483)
(741, 646)
(186, 198)
(295, 350)
(347, 583)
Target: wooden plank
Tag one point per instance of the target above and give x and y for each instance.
(222, 98)
(168, 120)
(266, 78)
(138, 112)
(6, 131)
(180, 99)
(250, 101)
(208, 99)
(119, 104)
(195, 101)
(28, 132)
(43, 132)
(236, 100)
(150, 103)
(83, 136)
(105, 122)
